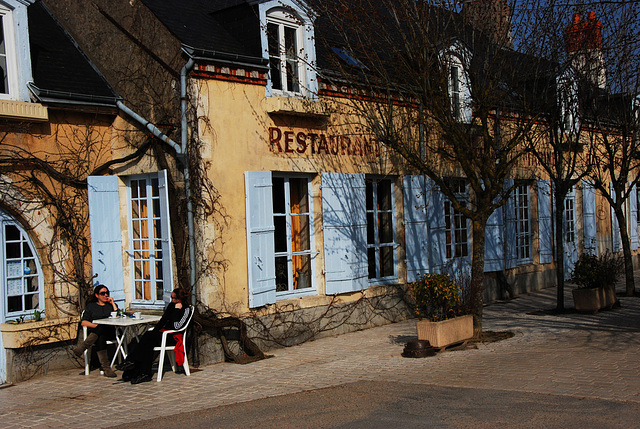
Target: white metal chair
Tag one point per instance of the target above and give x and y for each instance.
(87, 357)
(170, 350)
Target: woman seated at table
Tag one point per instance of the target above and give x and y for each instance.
(100, 306)
(137, 366)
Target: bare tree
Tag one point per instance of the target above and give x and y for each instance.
(434, 83)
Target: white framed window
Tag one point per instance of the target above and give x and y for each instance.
(454, 66)
(522, 222)
(8, 61)
(293, 234)
(569, 217)
(456, 229)
(149, 239)
(22, 280)
(288, 43)
(381, 241)
(286, 72)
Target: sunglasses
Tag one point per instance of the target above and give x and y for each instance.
(104, 293)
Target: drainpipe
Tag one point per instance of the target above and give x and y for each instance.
(183, 155)
(187, 177)
(149, 126)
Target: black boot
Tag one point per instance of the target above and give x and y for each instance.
(84, 345)
(103, 356)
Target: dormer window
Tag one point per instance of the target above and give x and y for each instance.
(567, 100)
(284, 52)
(454, 61)
(8, 67)
(288, 44)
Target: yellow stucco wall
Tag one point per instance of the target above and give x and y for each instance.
(235, 131)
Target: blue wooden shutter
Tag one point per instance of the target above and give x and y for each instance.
(106, 243)
(415, 227)
(494, 241)
(260, 238)
(615, 228)
(344, 224)
(167, 257)
(545, 231)
(589, 218)
(437, 227)
(633, 217)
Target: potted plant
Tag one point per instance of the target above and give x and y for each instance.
(438, 305)
(596, 277)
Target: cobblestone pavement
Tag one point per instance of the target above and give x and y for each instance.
(591, 356)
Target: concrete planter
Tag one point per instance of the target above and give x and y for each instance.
(589, 300)
(446, 332)
(31, 333)
(610, 297)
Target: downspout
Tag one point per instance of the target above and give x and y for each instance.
(187, 176)
(183, 155)
(149, 126)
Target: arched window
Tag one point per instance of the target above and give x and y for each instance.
(22, 281)
(288, 44)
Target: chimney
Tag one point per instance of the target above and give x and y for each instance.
(491, 17)
(584, 46)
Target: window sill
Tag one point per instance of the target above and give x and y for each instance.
(296, 107)
(20, 110)
(32, 333)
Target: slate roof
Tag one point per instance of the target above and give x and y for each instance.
(59, 67)
(227, 26)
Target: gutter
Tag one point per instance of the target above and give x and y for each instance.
(71, 98)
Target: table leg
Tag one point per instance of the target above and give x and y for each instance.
(120, 344)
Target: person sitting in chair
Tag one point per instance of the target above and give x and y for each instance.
(100, 306)
(138, 365)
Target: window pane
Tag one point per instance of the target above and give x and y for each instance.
(14, 303)
(155, 188)
(13, 250)
(280, 235)
(143, 188)
(299, 189)
(31, 284)
(273, 39)
(369, 190)
(277, 189)
(300, 237)
(371, 231)
(31, 302)
(26, 250)
(386, 261)
(276, 78)
(301, 271)
(385, 228)
(384, 195)
(282, 276)
(11, 232)
(291, 53)
(371, 258)
(14, 287)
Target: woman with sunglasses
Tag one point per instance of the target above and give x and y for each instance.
(100, 306)
(137, 366)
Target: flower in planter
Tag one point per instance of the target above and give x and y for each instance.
(592, 271)
(435, 297)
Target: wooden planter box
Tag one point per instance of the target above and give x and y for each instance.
(446, 332)
(589, 300)
(31, 333)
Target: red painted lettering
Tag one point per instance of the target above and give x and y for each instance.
(274, 138)
(288, 139)
(301, 138)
